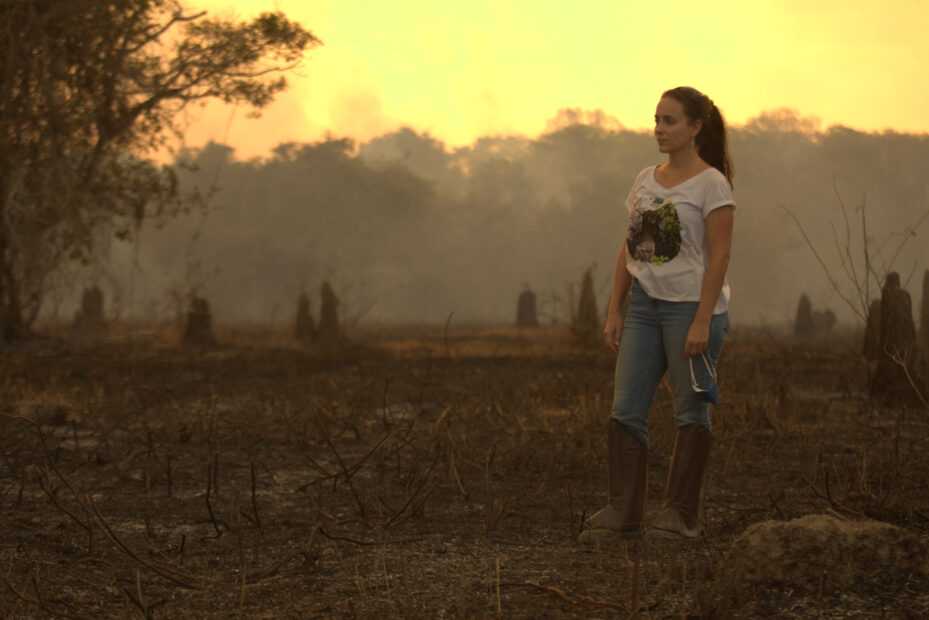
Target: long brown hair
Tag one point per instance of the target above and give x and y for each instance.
(711, 141)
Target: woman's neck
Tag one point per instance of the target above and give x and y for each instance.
(684, 159)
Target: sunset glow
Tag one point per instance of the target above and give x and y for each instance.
(464, 70)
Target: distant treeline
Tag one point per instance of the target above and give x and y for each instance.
(411, 229)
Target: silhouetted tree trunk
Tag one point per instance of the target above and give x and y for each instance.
(803, 322)
(896, 367)
(585, 325)
(11, 324)
(89, 321)
(526, 311)
(199, 329)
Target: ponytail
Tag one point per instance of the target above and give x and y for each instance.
(711, 142)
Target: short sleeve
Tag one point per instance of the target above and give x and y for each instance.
(630, 197)
(717, 194)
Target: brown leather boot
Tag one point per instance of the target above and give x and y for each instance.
(628, 468)
(682, 511)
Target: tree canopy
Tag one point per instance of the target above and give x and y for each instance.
(428, 229)
(87, 89)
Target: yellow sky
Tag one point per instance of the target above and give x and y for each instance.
(466, 69)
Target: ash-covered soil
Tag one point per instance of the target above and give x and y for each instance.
(422, 473)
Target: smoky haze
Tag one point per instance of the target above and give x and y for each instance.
(409, 229)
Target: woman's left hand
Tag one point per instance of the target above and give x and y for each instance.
(698, 338)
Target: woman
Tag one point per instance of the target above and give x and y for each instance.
(673, 265)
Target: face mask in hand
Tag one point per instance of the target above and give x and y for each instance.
(703, 379)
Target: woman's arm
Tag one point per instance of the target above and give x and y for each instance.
(719, 242)
(622, 281)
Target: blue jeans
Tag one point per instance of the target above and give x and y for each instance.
(652, 342)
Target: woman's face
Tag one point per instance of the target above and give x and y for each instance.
(673, 129)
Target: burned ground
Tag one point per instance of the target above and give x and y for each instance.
(421, 474)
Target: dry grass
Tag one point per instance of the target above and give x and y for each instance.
(420, 472)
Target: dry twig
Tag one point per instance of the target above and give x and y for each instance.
(577, 598)
(179, 577)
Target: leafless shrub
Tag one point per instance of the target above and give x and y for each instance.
(872, 331)
(862, 275)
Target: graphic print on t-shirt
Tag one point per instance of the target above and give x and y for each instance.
(654, 231)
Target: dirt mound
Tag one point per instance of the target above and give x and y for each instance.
(822, 552)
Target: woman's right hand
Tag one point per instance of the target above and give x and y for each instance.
(613, 332)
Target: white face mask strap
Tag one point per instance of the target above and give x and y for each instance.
(709, 369)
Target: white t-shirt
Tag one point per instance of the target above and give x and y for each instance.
(666, 235)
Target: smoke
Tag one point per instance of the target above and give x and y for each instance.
(221, 123)
(409, 229)
(358, 113)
